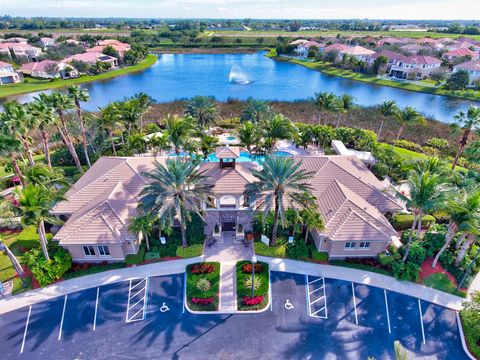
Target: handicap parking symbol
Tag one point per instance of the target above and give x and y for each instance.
(289, 305)
(164, 308)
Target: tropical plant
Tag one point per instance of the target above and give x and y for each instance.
(158, 143)
(11, 148)
(142, 227)
(35, 203)
(275, 128)
(387, 108)
(248, 135)
(130, 113)
(466, 122)
(400, 352)
(203, 109)
(145, 101)
(109, 119)
(79, 95)
(472, 153)
(44, 176)
(464, 211)
(42, 113)
(326, 101)
(178, 131)
(15, 263)
(312, 220)
(346, 104)
(207, 145)
(280, 181)
(255, 111)
(175, 190)
(408, 116)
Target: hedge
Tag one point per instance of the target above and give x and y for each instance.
(47, 272)
(272, 251)
(243, 291)
(193, 292)
(405, 221)
(135, 259)
(190, 251)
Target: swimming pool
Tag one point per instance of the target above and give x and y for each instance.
(244, 156)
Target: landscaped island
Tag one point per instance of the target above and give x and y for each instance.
(203, 282)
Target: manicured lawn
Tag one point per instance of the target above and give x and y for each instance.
(359, 267)
(203, 282)
(91, 269)
(190, 251)
(443, 283)
(244, 285)
(33, 85)
(272, 251)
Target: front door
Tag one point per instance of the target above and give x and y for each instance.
(228, 226)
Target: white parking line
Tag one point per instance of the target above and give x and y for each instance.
(354, 304)
(388, 314)
(128, 302)
(421, 320)
(144, 289)
(307, 296)
(314, 281)
(184, 291)
(320, 298)
(26, 328)
(325, 293)
(96, 308)
(323, 308)
(320, 288)
(63, 317)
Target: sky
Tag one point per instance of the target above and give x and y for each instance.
(261, 9)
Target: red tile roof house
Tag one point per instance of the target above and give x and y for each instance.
(98, 208)
(303, 48)
(20, 50)
(92, 58)
(8, 74)
(119, 46)
(393, 58)
(48, 69)
(454, 55)
(47, 42)
(414, 48)
(358, 52)
(416, 67)
(472, 68)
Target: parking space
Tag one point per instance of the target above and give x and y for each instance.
(358, 322)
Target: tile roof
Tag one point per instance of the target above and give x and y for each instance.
(4, 64)
(39, 66)
(227, 152)
(89, 57)
(461, 52)
(357, 50)
(228, 180)
(473, 65)
(422, 60)
(335, 47)
(389, 54)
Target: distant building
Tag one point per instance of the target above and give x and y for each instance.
(303, 48)
(119, 47)
(416, 67)
(92, 58)
(472, 68)
(8, 74)
(462, 53)
(47, 42)
(48, 69)
(23, 50)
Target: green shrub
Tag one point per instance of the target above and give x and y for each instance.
(385, 259)
(395, 252)
(357, 138)
(433, 240)
(152, 255)
(272, 251)
(417, 253)
(409, 145)
(95, 269)
(190, 251)
(442, 282)
(380, 170)
(297, 250)
(46, 272)
(470, 315)
(135, 259)
(203, 284)
(430, 151)
(440, 144)
(405, 271)
(404, 221)
(152, 128)
(318, 255)
(244, 285)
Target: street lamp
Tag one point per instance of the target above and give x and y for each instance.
(254, 261)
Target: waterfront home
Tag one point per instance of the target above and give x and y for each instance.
(303, 48)
(8, 74)
(298, 42)
(335, 48)
(393, 58)
(459, 54)
(48, 69)
(47, 42)
(17, 39)
(119, 46)
(472, 68)
(92, 58)
(358, 52)
(21, 50)
(100, 205)
(416, 67)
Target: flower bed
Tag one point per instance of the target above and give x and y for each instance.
(203, 280)
(261, 284)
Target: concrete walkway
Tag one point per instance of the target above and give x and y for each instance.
(474, 286)
(228, 293)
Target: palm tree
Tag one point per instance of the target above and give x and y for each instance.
(10, 148)
(275, 128)
(158, 143)
(472, 153)
(248, 135)
(387, 108)
(281, 181)
(467, 122)
(62, 103)
(408, 116)
(175, 190)
(130, 112)
(79, 95)
(207, 145)
(326, 101)
(35, 203)
(178, 131)
(255, 111)
(145, 101)
(203, 109)
(347, 103)
(42, 113)
(43, 176)
(427, 194)
(109, 119)
(142, 227)
(304, 135)
(312, 220)
(15, 263)
(470, 240)
(464, 211)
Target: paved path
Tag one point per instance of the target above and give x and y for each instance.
(475, 285)
(228, 297)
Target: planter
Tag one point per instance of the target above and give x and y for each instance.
(260, 300)
(203, 280)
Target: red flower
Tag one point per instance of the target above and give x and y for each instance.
(203, 268)
(247, 268)
(202, 301)
(249, 301)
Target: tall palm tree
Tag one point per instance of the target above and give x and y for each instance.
(408, 116)
(35, 203)
(280, 181)
(174, 191)
(387, 108)
(326, 101)
(158, 143)
(44, 118)
(275, 128)
(10, 148)
(145, 101)
(178, 131)
(61, 103)
(470, 240)
(427, 194)
(130, 113)
(207, 145)
(467, 122)
(312, 220)
(17, 121)
(464, 211)
(142, 226)
(43, 176)
(203, 109)
(347, 103)
(472, 153)
(78, 96)
(110, 118)
(255, 111)
(13, 259)
(248, 135)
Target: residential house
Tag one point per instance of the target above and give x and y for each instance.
(393, 58)
(119, 46)
(47, 42)
(472, 68)
(414, 48)
(17, 39)
(22, 50)
(48, 69)
(392, 41)
(303, 48)
(92, 58)
(298, 42)
(7, 74)
(459, 54)
(99, 207)
(416, 67)
(358, 52)
(335, 48)
(425, 41)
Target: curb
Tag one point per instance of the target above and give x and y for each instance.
(462, 337)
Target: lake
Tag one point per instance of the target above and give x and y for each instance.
(186, 75)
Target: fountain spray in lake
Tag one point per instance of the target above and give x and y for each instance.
(237, 76)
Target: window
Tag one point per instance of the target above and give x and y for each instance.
(350, 245)
(88, 250)
(103, 250)
(364, 245)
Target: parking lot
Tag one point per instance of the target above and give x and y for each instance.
(309, 318)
